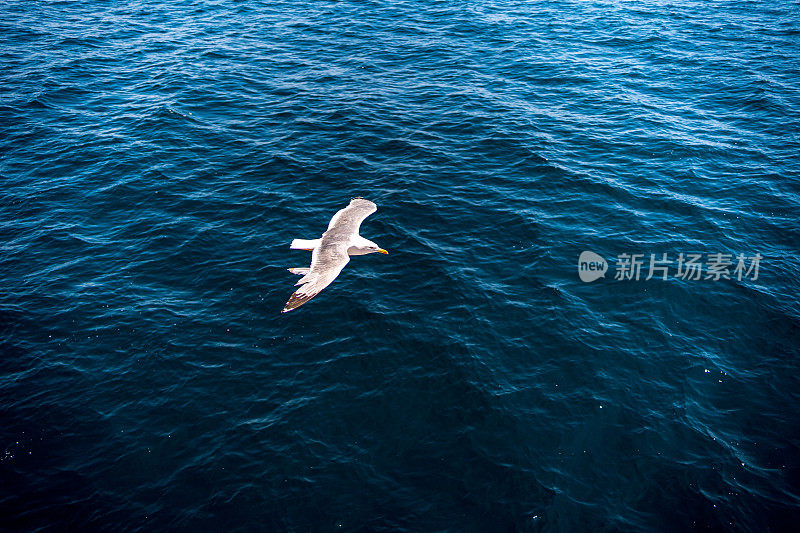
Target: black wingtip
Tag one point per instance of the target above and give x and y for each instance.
(296, 300)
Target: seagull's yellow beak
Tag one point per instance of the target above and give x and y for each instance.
(381, 250)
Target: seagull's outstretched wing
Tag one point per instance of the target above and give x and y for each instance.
(326, 262)
(346, 222)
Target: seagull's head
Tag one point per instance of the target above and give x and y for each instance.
(365, 246)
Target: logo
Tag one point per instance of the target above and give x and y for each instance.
(591, 266)
(687, 266)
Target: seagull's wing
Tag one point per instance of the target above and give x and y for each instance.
(327, 260)
(347, 221)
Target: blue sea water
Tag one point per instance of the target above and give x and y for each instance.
(156, 158)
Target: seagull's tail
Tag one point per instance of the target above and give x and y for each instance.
(305, 272)
(303, 244)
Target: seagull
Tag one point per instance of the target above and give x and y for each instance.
(331, 252)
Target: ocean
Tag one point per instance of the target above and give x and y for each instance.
(588, 319)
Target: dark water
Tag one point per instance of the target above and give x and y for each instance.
(158, 157)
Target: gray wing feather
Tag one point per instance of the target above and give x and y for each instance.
(327, 261)
(346, 222)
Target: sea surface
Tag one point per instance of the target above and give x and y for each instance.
(156, 159)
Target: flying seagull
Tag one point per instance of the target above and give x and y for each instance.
(331, 252)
